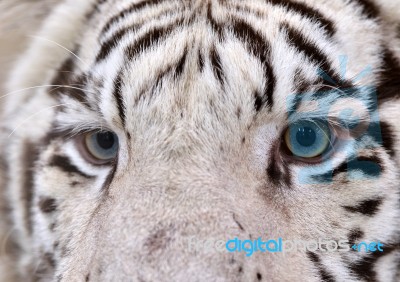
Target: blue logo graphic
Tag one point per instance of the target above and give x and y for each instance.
(371, 247)
(249, 247)
(279, 245)
(351, 108)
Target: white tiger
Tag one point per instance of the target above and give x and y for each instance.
(133, 129)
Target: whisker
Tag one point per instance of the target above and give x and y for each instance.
(3, 249)
(33, 115)
(49, 85)
(331, 87)
(61, 46)
(36, 269)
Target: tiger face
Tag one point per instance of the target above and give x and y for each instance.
(163, 125)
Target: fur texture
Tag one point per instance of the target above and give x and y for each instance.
(200, 93)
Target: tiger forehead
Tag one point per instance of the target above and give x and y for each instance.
(177, 56)
(190, 50)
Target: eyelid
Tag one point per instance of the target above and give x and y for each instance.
(346, 134)
(69, 132)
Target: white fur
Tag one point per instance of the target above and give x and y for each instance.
(186, 171)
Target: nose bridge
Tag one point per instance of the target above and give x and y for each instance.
(159, 216)
(175, 163)
(163, 227)
(189, 185)
(178, 183)
(175, 174)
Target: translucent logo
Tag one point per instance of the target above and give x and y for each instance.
(350, 107)
(279, 245)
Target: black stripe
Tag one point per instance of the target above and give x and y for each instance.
(5, 208)
(133, 8)
(253, 40)
(310, 50)
(181, 64)
(369, 9)
(65, 77)
(29, 156)
(150, 38)
(388, 138)
(49, 258)
(300, 82)
(118, 98)
(261, 49)
(112, 42)
(218, 28)
(192, 19)
(364, 268)
(323, 88)
(65, 164)
(324, 274)
(238, 115)
(110, 177)
(176, 69)
(47, 205)
(74, 93)
(328, 176)
(160, 76)
(306, 12)
(259, 101)
(201, 61)
(278, 174)
(237, 222)
(367, 207)
(156, 83)
(383, 134)
(64, 72)
(398, 31)
(370, 166)
(216, 65)
(355, 236)
(56, 133)
(95, 9)
(389, 86)
(4, 167)
(342, 168)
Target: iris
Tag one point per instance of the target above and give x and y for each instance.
(308, 139)
(102, 145)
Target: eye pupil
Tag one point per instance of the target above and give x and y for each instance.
(105, 140)
(306, 136)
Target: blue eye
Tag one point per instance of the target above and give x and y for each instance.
(308, 139)
(101, 146)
